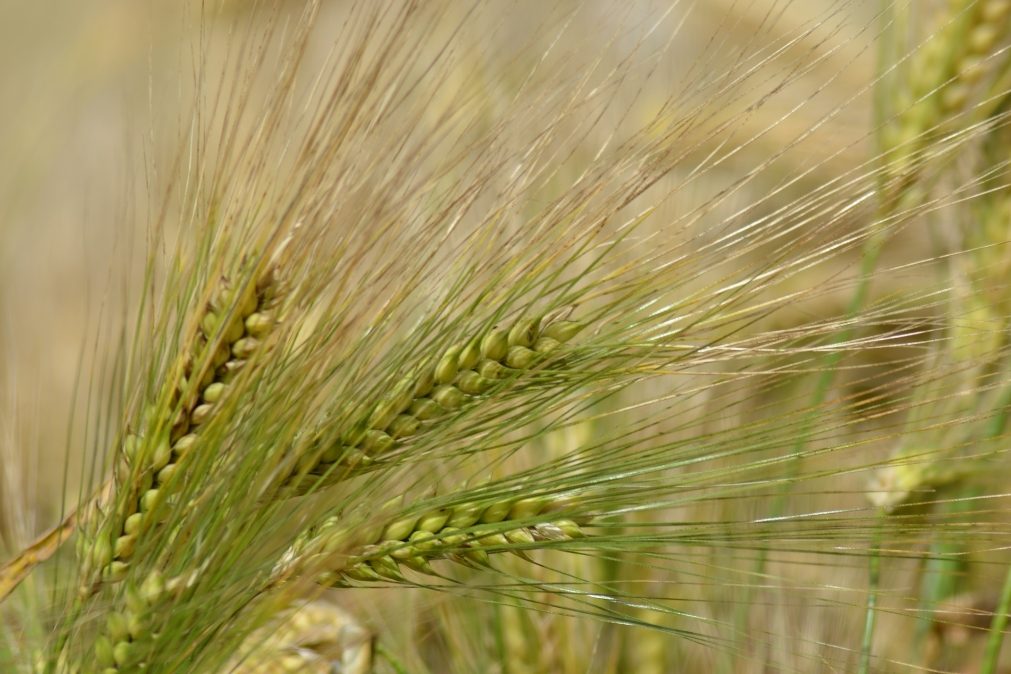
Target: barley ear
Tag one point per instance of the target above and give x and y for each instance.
(460, 377)
(465, 533)
(232, 327)
(942, 77)
(308, 638)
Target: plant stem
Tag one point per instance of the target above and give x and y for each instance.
(997, 626)
(874, 580)
(391, 659)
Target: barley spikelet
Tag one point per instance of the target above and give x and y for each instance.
(987, 262)
(462, 375)
(316, 637)
(230, 330)
(977, 324)
(127, 634)
(942, 77)
(465, 533)
(232, 326)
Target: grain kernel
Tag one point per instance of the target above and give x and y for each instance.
(426, 409)
(496, 512)
(445, 371)
(259, 324)
(562, 331)
(213, 392)
(404, 426)
(376, 442)
(524, 332)
(495, 344)
(245, 347)
(469, 356)
(125, 654)
(449, 397)
(472, 383)
(201, 413)
(520, 357)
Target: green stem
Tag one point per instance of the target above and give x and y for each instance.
(945, 566)
(999, 421)
(997, 627)
(390, 659)
(868, 262)
(874, 581)
(825, 379)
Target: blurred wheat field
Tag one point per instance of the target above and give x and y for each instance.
(710, 298)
